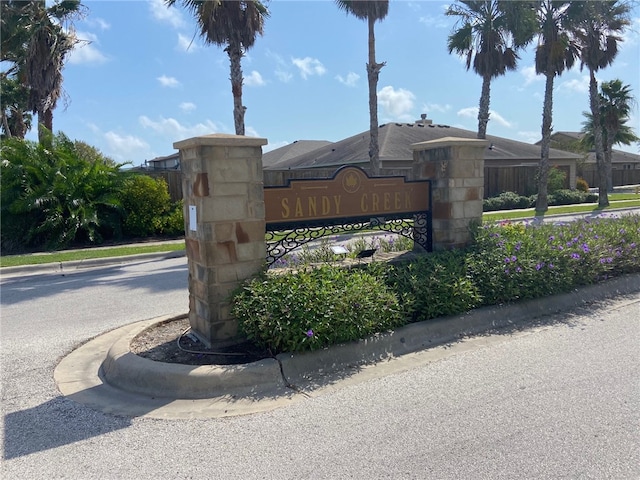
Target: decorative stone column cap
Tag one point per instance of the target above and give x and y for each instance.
(220, 140)
(449, 142)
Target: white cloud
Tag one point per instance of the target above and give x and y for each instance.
(529, 136)
(309, 66)
(186, 44)
(283, 76)
(173, 130)
(530, 75)
(472, 112)
(123, 148)
(170, 82)
(272, 146)
(187, 107)
(254, 79)
(631, 35)
(350, 80)
(435, 21)
(580, 85)
(99, 23)
(436, 107)
(397, 104)
(164, 14)
(251, 132)
(86, 51)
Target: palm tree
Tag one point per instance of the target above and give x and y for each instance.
(615, 105)
(598, 33)
(371, 11)
(46, 49)
(234, 24)
(555, 53)
(490, 33)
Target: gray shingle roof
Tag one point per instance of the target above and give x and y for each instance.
(290, 151)
(394, 140)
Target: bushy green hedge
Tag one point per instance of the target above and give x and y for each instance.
(314, 308)
(511, 200)
(65, 193)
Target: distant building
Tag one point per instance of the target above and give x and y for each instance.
(170, 162)
(625, 166)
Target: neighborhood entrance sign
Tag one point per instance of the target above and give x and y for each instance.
(351, 200)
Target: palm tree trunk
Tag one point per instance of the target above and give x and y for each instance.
(603, 199)
(483, 110)
(608, 152)
(235, 57)
(542, 202)
(373, 72)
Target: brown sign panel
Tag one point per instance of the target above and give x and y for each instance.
(350, 193)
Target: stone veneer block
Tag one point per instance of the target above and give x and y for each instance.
(222, 179)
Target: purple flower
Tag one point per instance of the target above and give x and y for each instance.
(575, 256)
(585, 248)
(550, 266)
(514, 258)
(518, 269)
(507, 260)
(518, 245)
(309, 333)
(539, 265)
(552, 238)
(632, 245)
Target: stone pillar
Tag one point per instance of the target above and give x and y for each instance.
(456, 169)
(224, 226)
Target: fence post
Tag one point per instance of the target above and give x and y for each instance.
(456, 169)
(224, 226)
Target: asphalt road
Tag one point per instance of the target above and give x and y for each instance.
(558, 401)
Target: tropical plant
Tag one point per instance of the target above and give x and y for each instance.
(489, 33)
(52, 198)
(13, 105)
(615, 105)
(371, 11)
(555, 53)
(598, 33)
(234, 24)
(40, 53)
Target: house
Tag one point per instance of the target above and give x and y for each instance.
(170, 162)
(625, 166)
(509, 165)
(292, 150)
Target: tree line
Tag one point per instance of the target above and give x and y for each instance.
(489, 34)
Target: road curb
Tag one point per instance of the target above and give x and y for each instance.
(119, 368)
(125, 370)
(301, 368)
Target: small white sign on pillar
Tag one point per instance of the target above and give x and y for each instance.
(193, 218)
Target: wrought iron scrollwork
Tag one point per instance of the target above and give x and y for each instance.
(282, 242)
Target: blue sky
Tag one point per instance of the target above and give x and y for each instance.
(144, 79)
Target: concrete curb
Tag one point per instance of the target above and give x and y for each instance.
(133, 374)
(68, 267)
(300, 368)
(128, 371)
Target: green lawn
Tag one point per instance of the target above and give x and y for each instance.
(616, 200)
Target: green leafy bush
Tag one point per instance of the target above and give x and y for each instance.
(434, 285)
(555, 180)
(566, 197)
(146, 203)
(52, 197)
(506, 201)
(315, 308)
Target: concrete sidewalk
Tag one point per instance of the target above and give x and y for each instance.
(105, 375)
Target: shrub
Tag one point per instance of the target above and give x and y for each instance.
(315, 308)
(582, 185)
(434, 285)
(556, 180)
(506, 201)
(52, 197)
(566, 197)
(146, 203)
